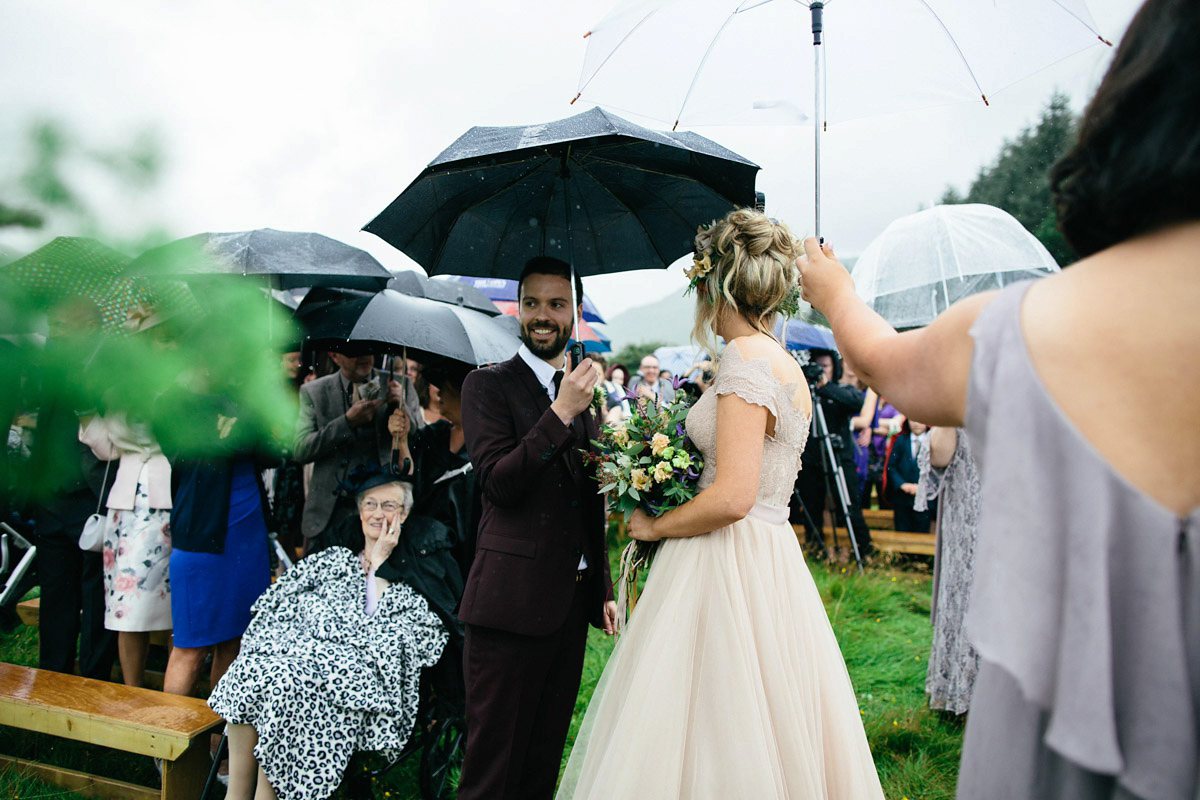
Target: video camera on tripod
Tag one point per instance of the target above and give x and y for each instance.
(835, 477)
(813, 372)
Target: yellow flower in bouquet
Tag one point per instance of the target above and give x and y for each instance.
(659, 443)
(663, 471)
(640, 479)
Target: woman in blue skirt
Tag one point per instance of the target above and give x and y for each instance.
(220, 561)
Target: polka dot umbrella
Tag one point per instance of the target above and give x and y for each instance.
(76, 266)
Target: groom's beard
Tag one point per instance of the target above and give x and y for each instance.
(552, 349)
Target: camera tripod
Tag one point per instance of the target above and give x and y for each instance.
(834, 477)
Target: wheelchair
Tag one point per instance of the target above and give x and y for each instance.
(438, 737)
(17, 556)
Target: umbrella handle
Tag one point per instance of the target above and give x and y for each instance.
(399, 467)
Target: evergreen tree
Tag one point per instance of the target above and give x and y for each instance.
(1018, 180)
(631, 355)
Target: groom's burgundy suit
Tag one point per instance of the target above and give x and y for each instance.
(526, 603)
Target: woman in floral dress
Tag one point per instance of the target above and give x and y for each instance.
(137, 542)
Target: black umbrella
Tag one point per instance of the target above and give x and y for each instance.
(283, 259)
(395, 322)
(456, 293)
(594, 190)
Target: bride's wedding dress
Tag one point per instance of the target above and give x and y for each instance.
(728, 681)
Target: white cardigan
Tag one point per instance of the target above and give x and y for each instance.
(113, 436)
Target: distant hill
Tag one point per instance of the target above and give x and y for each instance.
(669, 319)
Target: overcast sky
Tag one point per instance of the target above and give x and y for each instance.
(312, 115)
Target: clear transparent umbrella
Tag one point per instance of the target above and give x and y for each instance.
(739, 62)
(925, 262)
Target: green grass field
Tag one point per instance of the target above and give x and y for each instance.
(881, 620)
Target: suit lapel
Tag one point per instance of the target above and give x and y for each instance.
(541, 401)
(537, 392)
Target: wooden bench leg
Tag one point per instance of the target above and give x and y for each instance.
(183, 779)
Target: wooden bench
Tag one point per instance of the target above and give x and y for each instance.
(169, 727)
(881, 522)
(881, 519)
(29, 610)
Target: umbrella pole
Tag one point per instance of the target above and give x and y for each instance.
(396, 467)
(565, 173)
(818, 27)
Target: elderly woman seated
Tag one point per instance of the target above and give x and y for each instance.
(331, 662)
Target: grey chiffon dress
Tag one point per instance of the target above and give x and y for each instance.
(1086, 603)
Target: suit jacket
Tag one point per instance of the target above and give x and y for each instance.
(325, 438)
(70, 480)
(201, 471)
(902, 468)
(540, 506)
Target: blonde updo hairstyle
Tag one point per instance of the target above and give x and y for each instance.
(753, 271)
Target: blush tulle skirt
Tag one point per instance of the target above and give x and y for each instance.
(727, 683)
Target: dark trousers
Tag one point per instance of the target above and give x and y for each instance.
(71, 611)
(811, 488)
(520, 696)
(908, 519)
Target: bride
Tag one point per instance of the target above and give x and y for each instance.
(728, 682)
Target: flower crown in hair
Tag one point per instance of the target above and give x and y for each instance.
(702, 265)
(701, 258)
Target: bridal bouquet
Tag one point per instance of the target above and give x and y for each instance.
(646, 462)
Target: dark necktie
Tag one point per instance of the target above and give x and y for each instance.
(558, 376)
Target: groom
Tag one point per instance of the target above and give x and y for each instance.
(540, 572)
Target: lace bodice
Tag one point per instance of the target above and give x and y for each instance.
(753, 381)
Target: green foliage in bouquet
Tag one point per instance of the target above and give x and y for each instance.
(648, 462)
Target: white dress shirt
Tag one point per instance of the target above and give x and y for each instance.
(544, 372)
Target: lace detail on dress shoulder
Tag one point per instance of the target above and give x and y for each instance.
(750, 385)
(753, 381)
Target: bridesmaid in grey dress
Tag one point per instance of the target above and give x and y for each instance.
(1085, 607)
(953, 662)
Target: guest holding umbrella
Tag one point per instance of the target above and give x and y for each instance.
(1085, 609)
(137, 542)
